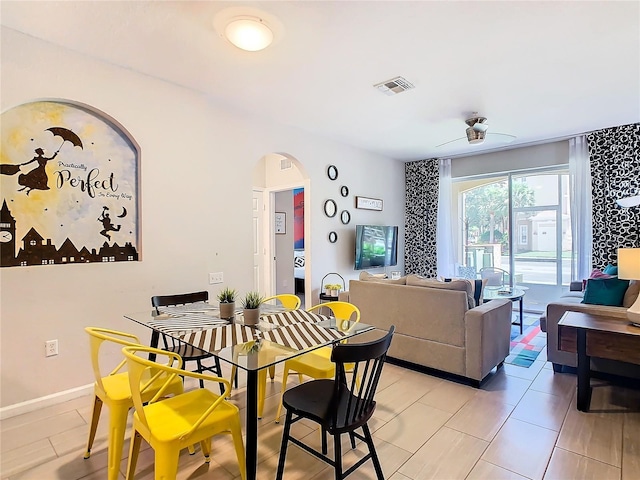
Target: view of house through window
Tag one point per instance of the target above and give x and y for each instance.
(519, 223)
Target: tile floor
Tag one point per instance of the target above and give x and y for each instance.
(522, 424)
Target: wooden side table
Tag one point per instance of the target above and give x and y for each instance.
(596, 336)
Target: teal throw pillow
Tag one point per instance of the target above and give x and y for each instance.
(610, 270)
(605, 291)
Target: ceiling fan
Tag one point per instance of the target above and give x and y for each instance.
(477, 131)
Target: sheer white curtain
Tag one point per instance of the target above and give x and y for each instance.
(580, 201)
(444, 231)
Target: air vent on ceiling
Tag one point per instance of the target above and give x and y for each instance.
(395, 85)
(285, 164)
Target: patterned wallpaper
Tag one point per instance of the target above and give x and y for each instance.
(615, 173)
(421, 214)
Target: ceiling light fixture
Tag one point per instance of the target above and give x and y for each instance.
(248, 33)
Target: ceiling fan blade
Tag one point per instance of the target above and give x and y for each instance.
(451, 141)
(502, 135)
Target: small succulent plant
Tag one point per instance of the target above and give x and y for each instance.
(227, 295)
(252, 300)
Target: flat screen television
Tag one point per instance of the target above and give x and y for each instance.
(376, 246)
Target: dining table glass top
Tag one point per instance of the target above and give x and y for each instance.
(280, 334)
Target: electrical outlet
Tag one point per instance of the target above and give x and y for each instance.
(216, 277)
(50, 348)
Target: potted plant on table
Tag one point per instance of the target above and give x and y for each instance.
(251, 308)
(334, 289)
(227, 299)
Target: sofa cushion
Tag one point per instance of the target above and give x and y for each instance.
(367, 277)
(605, 291)
(631, 295)
(462, 285)
(477, 287)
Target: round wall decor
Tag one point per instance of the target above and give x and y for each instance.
(333, 237)
(330, 208)
(345, 217)
(332, 172)
(344, 191)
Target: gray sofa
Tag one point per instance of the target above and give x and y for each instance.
(571, 301)
(435, 327)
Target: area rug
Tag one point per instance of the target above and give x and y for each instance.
(526, 347)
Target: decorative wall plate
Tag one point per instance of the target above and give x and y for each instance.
(332, 172)
(345, 217)
(344, 191)
(333, 237)
(330, 208)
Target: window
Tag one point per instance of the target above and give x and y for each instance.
(519, 222)
(523, 238)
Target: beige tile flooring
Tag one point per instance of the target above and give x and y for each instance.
(521, 424)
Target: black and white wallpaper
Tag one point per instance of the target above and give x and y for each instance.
(421, 215)
(615, 173)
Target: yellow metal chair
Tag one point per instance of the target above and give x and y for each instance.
(317, 364)
(114, 391)
(290, 302)
(176, 423)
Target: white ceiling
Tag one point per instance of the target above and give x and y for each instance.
(536, 70)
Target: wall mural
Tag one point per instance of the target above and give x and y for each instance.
(422, 180)
(614, 154)
(69, 186)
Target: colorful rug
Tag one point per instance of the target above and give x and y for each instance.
(526, 347)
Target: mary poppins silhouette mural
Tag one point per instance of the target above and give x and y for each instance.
(65, 172)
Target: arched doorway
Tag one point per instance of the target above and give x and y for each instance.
(281, 226)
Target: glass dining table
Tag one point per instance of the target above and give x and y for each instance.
(280, 335)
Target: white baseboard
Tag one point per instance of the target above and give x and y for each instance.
(46, 401)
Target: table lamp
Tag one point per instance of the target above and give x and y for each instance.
(629, 269)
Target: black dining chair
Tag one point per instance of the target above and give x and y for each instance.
(339, 405)
(188, 352)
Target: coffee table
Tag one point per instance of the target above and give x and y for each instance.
(516, 295)
(598, 336)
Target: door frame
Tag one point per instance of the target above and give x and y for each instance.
(269, 236)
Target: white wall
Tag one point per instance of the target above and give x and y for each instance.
(197, 163)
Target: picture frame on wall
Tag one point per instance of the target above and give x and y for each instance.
(280, 223)
(367, 203)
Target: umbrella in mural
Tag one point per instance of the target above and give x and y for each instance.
(66, 135)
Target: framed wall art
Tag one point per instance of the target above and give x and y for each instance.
(369, 203)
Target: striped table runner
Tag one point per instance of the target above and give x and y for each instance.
(293, 316)
(178, 324)
(302, 335)
(218, 338)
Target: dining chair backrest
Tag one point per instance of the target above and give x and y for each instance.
(141, 368)
(354, 398)
(288, 300)
(179, 299)
(342, 311)
(97, 337)
(496, 277)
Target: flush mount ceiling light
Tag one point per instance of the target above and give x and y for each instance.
(248, 33)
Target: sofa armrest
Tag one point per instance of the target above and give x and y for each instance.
(487, 337)
(575, 286)
(344, 296)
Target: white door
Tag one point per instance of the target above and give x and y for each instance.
(258, 249)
